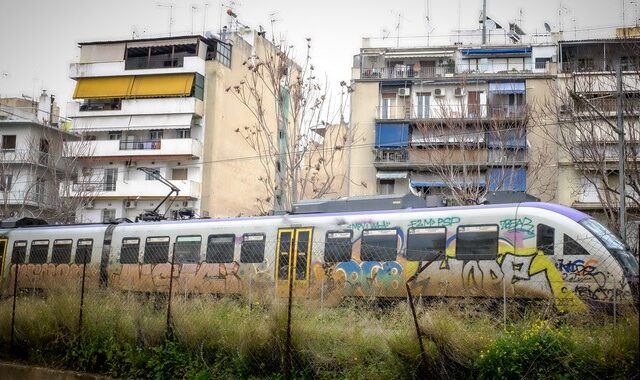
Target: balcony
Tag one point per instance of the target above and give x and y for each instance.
(115, 68)
(113, 149)
(128, 107)
(129, 189)
(451, 111)
(405, 72)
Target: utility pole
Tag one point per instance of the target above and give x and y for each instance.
(621, 154)
(484, 22)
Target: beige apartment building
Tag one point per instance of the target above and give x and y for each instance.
(162, 103)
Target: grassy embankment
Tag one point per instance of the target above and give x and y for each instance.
(224, 338)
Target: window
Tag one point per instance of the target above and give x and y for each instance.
(5, 182)
(541, 63)
(156, 134)
(198, 87)
(115, 135)
(385, 186)
(425, 244)
(183, 133)
(156, 250)
(337, 246)
(39, 251)
(157, 57)
(149, 177)
(388, 106)
(379, 245)
(61, 253)
(572, 247)
(221, 52)
(19, 252)
(108, 215)
(252, 250)
(179, 174)
(130, 251)
(220, 248)
(422, 110)
(83, 251)
(187, 249)
(101, 105)
(9, 142)
(478, 242)
(545, 238)
(110, 179)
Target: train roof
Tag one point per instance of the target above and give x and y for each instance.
(568, 212)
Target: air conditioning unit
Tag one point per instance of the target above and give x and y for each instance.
(406, 91)
(130, 204)
(185, 204)
(459, 91)
(88, 204)
(439, 92)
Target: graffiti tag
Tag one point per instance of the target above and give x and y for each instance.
(434, 222)
(369, 225)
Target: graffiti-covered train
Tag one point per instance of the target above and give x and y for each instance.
(525, 250)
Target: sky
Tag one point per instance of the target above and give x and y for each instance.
(38, 38)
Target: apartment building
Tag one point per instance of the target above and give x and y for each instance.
(32, 161)
(160, 104)
(449, 120)
(588, 164)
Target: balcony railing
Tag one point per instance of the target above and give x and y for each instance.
(141, 145)
(451, 111)
(598, 65)
(93, 187)
(391, 156)
(405, 71)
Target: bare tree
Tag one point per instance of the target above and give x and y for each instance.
(35, 178)
(589, 143)
(288, 103)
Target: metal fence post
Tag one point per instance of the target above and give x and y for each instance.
(169, 327)
(504, 303)
(321, 295)
(615, 303)
(13, 311)
(84, 273)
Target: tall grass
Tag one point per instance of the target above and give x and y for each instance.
(125, 335)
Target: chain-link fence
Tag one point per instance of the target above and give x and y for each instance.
(299, 306)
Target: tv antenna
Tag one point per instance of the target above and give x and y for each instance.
(273, 19)
(204, 17)
(427, 18)
(194, 9)
(170, 6)
(398, 26)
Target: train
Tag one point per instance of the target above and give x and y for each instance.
(529, 250)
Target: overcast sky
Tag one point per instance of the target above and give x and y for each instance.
(38, 38)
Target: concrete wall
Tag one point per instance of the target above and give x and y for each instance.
(364, 102)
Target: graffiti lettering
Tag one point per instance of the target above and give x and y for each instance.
(435, 222)
(369, 225)
(47, 275)
(577, 267)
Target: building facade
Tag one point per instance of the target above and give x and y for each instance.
(161, 104)
(32, 160)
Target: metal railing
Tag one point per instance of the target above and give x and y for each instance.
(405, 71)
(141, 145)
(93, 186)
(391, 155)
(450, 111)
(467, 68)
(590, 65)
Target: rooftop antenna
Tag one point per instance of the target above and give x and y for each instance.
(193, 14)
(204, 17)
(561, 9)
(427, 17)
(170, 6)
(273, 19)
(547, 27)
(397, 28)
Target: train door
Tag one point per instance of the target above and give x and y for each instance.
(293, 257)
(3, 254)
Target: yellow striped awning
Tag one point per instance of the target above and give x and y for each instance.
(138, 86)
(162, 85)
(103, 87)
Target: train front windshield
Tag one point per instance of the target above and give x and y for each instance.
(617, 248)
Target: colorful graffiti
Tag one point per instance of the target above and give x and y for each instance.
(434, 222)
(195, 278)
(369, 224)
(46, 275)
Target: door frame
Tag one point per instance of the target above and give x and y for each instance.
(292, 263)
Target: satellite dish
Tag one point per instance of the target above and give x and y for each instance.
(547, 27)
(491, 25)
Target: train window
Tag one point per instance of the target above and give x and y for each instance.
(156, 250)
(130, 251)
(61, 253)
(187, 249)
(83, 251)
(39, 251)
(252, 250)
(544, 238)
(337, 246)
(220, 248)
(426, 243)
(478, 242)
(19, 252)
(379, 245)
(572, 247)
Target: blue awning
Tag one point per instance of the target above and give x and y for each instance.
(508, 179)
(394, 135)
(502, 52)
(507, 88)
